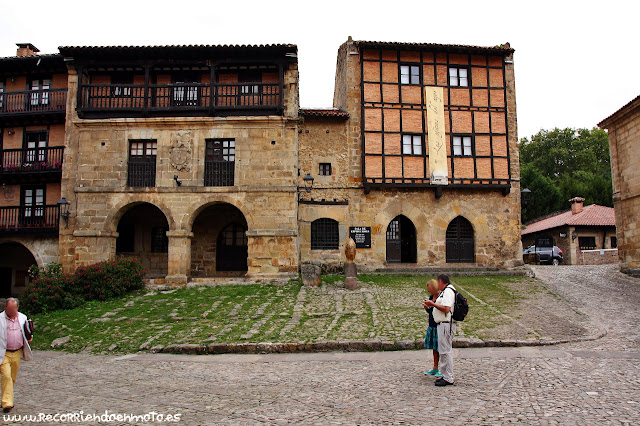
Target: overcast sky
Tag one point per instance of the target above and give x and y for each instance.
(576, 62)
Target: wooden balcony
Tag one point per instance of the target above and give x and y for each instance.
(189, 99)
(33, 106)
(22, 220)
(31, 165)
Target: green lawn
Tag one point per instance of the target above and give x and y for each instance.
(387, 308)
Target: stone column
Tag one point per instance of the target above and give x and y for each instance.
(179, 257)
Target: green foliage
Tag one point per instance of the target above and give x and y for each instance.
(560, 164)
(52, 270)
(52, 290)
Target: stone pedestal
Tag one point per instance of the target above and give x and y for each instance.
(351, 276)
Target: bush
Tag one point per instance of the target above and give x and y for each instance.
(105, 280)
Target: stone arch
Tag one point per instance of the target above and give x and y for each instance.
(198, 207)
(26, 244)
(116, 213)
(219, 245)
(404, 208)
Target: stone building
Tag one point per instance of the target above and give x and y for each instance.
(198, 160)
(419, 159)
(624, 147)
(33, 95)
(185, 157)
(586, 235)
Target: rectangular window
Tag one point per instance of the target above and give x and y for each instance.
(250, 77)
(325, 169)
(462, 146)
(119, 83)
(35, 147)
(219, 162)
(409, 74)
(614, 242)
(587, 243)
(159, 240)
(142, 163)
(185, 93)
(40, 92)
(33, 198)
(412, 144)
(459, 77)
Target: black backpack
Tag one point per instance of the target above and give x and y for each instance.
(460, 306)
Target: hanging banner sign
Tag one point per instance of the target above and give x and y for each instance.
(438, 167)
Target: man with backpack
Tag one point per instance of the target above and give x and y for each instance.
(443, 315)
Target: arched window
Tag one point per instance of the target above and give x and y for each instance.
(460, 244)
(324, 234)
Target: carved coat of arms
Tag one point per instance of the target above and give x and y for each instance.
(180, 153)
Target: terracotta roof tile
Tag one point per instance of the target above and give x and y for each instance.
(592, 215)
(503, 49)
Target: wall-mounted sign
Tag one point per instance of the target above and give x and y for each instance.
(563, 235)
(438, 168)
(361, 235)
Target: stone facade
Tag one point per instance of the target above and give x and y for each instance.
(327, 137)
(180, 111)
(624, 147)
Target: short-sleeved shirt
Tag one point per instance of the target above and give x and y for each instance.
(447, 297)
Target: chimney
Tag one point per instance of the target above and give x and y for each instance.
(26, 49)
(576, 205)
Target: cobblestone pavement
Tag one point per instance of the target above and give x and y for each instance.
(585, 383)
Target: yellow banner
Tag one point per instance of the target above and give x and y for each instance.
(438, 166)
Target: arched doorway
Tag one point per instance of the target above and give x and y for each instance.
(15, 260)
(460, 244)
(219, 246)
(142, 233)
(401, 241)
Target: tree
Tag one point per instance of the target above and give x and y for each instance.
(560, 164)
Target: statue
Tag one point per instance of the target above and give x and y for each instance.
(350, 270)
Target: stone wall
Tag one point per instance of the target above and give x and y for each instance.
(597, 257)
(624, 135)
(266, 166)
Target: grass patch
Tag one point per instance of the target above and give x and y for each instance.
(388, 308)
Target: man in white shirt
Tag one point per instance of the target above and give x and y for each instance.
(446, 329)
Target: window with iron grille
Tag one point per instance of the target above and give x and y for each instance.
(220, 157)
(458, 77)
(587, 243)
(325, 169)
(409, 74)
(142, 163)
(324, 234)
(462, 146)
(412, 144)
(159, 239)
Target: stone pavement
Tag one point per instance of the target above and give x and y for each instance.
(581, 383)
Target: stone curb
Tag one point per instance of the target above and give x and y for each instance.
(353, 346)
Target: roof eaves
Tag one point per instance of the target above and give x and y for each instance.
(627, 108)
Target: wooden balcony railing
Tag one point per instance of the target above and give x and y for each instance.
(29, 219)
(31, 160)
(33, 101)
(195, 97)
